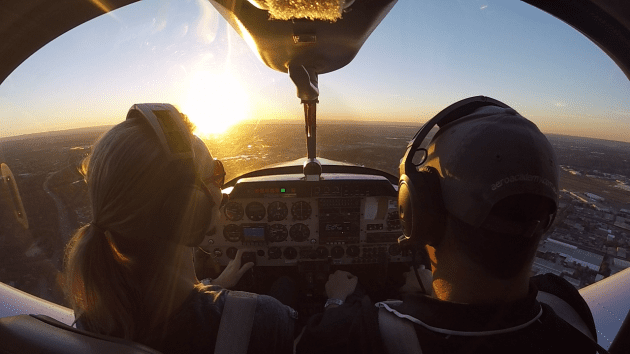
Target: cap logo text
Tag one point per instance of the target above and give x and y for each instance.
(523, 177)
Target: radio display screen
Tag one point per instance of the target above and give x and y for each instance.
(339, 220)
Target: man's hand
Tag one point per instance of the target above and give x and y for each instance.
(411, 282)
(340, 284)
(233, 272)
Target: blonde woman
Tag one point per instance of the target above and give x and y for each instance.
(155, 192)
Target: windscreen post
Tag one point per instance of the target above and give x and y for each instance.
(306, 82)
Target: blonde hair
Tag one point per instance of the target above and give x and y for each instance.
(107, 262)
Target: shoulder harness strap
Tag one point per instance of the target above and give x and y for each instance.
(236, 323)
(399, 336)
(568, 314)
(565, 311)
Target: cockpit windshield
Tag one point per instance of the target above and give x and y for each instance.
(422, 57)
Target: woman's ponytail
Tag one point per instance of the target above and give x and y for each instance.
(100, 282)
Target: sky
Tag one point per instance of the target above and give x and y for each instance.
(424, 56)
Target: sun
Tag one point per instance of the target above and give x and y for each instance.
(215, 102)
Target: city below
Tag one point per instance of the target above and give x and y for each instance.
(589, 240)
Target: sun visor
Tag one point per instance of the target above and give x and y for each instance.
(284, 34)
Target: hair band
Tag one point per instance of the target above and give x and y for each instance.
(97, 228)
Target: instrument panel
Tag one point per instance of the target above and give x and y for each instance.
(285, 221)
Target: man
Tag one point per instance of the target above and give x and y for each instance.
(478, 204)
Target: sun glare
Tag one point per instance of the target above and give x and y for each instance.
(215, 102)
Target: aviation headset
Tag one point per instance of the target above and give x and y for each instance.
(194, 197)
(420, 204)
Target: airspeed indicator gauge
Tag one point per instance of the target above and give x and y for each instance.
(234, 211)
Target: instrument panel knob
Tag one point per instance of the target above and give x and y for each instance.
(231, 252)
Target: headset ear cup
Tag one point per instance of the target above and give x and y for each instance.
(200, 210)
(433, 216)
(421, 208)
(196, 218)
(406, 198)
(185, 216)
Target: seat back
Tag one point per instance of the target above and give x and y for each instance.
(43, 334)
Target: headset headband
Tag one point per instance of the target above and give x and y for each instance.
(177, 142)
(447, 115)
(168, 125)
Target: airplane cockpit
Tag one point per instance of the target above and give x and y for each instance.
(310, 216)
(303, 204)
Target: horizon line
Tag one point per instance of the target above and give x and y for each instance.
(283, 121)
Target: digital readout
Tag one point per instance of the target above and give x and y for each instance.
(339, 227)
(253, 234)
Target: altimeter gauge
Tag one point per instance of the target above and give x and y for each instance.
(301, 210)
(277, 211)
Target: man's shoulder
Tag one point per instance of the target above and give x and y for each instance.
(561, 288)
(554, 284)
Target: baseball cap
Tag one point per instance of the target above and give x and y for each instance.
(488, 155)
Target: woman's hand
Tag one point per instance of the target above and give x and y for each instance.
(233, 272)
(340, 284)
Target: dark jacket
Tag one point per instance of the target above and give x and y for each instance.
(353, 326)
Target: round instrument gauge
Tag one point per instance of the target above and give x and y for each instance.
(337, 252)
(322, 252)
(232, 232)
(301, 210)
(274, 252)
(255, 211)
(353, 251)
(233, 211)
(290, 253)
(277, 233)
(277, 211)
(394, 249)
(299, 232)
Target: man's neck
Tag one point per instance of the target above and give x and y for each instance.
(458, 279)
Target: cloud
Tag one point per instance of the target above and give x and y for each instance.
(483, 7)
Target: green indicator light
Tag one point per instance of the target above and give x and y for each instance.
(282, 190)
